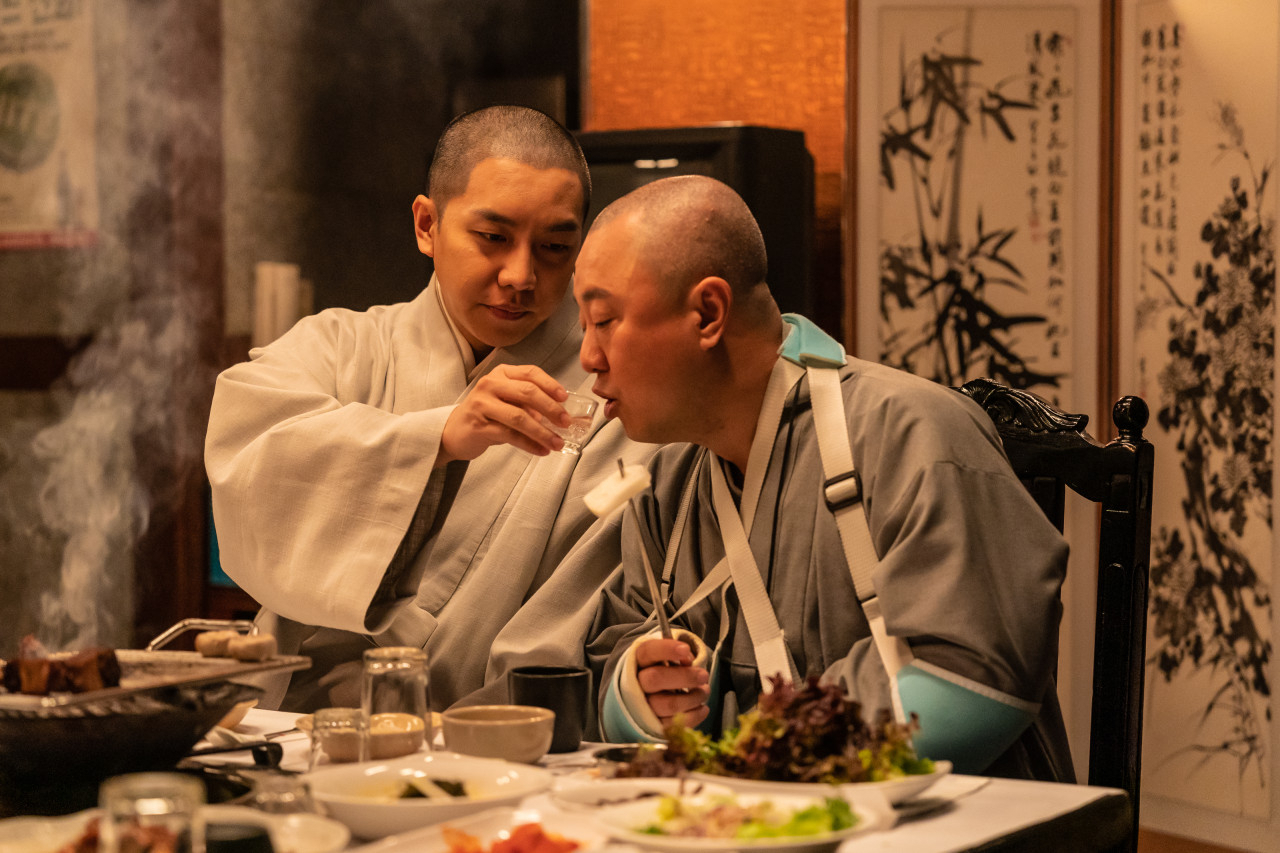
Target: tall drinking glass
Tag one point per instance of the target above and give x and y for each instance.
(395, 682)
(151, 811)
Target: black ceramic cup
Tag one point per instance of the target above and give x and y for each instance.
(563, 689)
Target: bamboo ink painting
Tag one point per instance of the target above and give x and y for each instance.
(971, 243)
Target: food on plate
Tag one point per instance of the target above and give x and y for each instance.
(233, 644)
(134, 839)
(236, 715)
(523, 838)
(424, 787)
(728, 817)
(213, 644)
(606, 793)
(252, 647)
(810, 732)
(35, 671)
(613, 492)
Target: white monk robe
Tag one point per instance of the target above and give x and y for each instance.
(969, 567)
(320, 454)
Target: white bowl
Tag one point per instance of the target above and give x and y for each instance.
(391, 735)
(363, 796)
(512, 732)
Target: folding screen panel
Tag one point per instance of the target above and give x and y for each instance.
(1198, 203)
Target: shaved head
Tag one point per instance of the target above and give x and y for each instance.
(691, 227)
(514, 133)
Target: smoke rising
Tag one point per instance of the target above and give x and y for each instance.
(328, 114)
(121, 396)
(84, 470)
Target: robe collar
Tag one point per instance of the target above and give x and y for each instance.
(543, 346)
(465, 352)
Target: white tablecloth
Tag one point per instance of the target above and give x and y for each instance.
(981, 809)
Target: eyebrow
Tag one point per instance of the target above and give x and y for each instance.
(499, 219)
(593, 293)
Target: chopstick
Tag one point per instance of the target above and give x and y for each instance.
(654, 592)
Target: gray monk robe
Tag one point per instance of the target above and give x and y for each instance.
(320, 453)
(969, 568)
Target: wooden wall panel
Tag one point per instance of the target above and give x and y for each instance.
(657, 63)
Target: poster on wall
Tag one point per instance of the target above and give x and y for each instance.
(978, 211)
(48, 177)
(1197, 241)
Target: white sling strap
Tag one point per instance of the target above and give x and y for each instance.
(762, 623)
(843, 490)
(738, 565)
(677, 527)
(770, 647)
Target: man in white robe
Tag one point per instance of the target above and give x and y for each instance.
(688, 345)
(384, 477)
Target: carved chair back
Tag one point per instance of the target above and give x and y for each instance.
(1050, 450)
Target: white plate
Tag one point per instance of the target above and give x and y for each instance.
(490, 826)
(350, 792)
(614, 792)
(295, 833)
(42, 834)
(624, 822)
(893, 790)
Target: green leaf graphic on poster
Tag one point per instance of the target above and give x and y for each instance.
(29, 116)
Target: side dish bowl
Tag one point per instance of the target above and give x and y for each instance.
(390, 736)
(366, 797)
(511, 732)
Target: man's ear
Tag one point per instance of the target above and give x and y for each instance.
(711, 300)
(426, 221)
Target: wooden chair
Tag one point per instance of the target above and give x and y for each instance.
(1050, 451)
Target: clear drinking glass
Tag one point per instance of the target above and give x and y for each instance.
(276, 792)
(581, 409)
(395, 682)
(338, 735)
(151, 811)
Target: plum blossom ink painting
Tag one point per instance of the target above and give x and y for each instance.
(1197, 275)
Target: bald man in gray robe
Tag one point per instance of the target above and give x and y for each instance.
(687, 345)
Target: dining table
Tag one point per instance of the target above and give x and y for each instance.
(958, 812)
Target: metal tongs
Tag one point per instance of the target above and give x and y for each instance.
(171, 633)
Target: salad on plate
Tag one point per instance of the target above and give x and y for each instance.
(807, 732)
(732, 821)
(726, 816)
